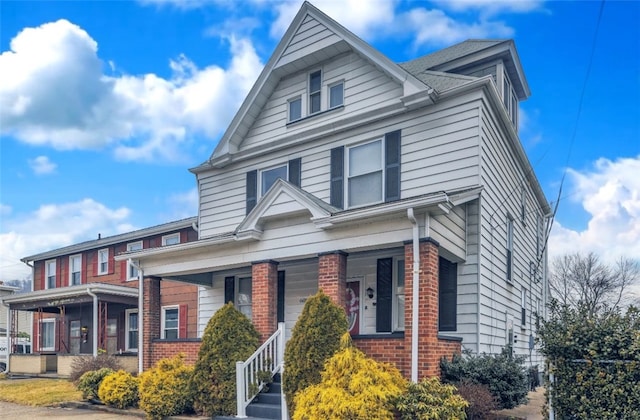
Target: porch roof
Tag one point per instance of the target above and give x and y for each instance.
(50, 300)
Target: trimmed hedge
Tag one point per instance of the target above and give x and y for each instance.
(165, 390)
(89, 382)
(431, 400)
(119, 389)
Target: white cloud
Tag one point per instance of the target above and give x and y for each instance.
(491, 7)
(53, 226)
(610, 194)
(183, 205)
(5, 210)
(42, 165)
(57, 95)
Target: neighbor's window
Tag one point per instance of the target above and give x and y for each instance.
(172, 239)
(336, 95)
(365, 174)
(269, 176)
(523, 306)
(75, 270)
(48, 334)
(131, 327)
(509, 249)
(170, 322)
(315, 87)
(50, 268)
(295, 109)
(103, 261)
(132, 271)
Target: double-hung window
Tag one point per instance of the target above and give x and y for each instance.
(103, 261)
(365, 174)
(172, 239)
(523, 307)
(132, 270)
(336, 95)
(315, 89)
(131, 328)
(295, 109)
(509, 249)
(170, 322)
(75, 270)
(259, 181)
(50, 274)
(269, 176)
(510, 100)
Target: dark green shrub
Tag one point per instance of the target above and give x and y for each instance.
(82, 364)
(595, 359)
(353, 386)
(481, 402)
(314, 339)
(431, 400)
(165, 390)
(119, 389)
(89, 382)
(504, 375)
(229, 337)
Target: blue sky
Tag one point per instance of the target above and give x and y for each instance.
(105, 105)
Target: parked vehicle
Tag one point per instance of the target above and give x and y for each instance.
(21, 346)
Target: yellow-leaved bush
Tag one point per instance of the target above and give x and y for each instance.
(119, 389)
(165, 389)
(353, 386)
(431, 400)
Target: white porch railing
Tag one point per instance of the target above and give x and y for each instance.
(268, 358)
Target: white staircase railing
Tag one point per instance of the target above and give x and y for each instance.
(267, 360)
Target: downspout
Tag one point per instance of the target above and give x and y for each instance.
(140, 306)
(95, 321)
(8, 331)
(415, 295)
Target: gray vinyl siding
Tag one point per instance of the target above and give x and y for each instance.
(449, 231)
(503, 177)
(310, 37)
(439, 153)
(300, 282)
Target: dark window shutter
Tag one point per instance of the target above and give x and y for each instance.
(252, 190)
(229, 289)
(280, 296)
(509, 262)
(94, 264)
(182, 321)
(384, 303)
(448, 295)
(295, 171)
(392, 166)
(337, 177)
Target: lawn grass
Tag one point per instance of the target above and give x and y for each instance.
(38, 392)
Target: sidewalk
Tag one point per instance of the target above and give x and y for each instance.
(530, 411)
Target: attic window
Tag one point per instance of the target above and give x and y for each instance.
(295, 109)
(315, 86)
(336, 95)
(269, 177)
(510, 99)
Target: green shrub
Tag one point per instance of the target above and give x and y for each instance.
(504, 375)
(165, 389)
(481, 402)
(431, 400)
(119, 389)
(595, 359)
(314, 339)
(89, 382)
(353, 387)
(82, 364)
(229, 337)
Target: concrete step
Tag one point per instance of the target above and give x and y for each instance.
(267, 411)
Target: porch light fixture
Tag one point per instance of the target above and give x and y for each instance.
(370, 292)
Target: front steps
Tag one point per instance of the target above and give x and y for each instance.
(266, 406)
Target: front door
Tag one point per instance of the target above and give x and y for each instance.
(112, 335)
(75, 335)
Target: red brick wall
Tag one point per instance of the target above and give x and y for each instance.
(151, 318)
(387, 350)
(332, 275)
(264, 289)
(166, 349)
(177, 293)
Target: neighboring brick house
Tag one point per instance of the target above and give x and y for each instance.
(74, 284)
(338, 166)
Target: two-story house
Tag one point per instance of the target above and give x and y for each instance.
(400, 189)
(85, 303)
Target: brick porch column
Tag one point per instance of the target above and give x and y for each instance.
(428, 351)
(332, 275)
(150, 318)
(264, 292)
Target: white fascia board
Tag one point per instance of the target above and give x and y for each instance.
(79, 290)
(170, 249)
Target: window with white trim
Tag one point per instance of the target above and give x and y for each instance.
(295, 109)
(50, 274)
(509, 249)
(170, 322)
(131, 330)
(365, 174)
(172, 239)
(48, 334)
(398, 296)
(269, 176)
(75, 270)
(336, 94)
(103, 261)
(523, 307)
(315, 89)
(132, 270)
(510, 99)
(244, 295)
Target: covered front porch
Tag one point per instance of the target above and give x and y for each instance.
(83, 320)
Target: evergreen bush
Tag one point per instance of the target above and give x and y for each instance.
(431, 400)
(353, 387)
(314, 339)
(165, 390)
(229, 337)
(119, 389)
(504, 374)
(89, 382)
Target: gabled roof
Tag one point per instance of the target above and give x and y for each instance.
(449, 54)
(111, 240)
(277, 67)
